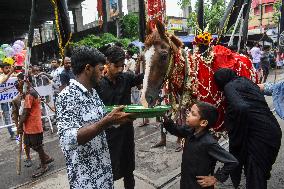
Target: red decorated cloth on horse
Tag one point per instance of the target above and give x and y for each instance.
(202, 72)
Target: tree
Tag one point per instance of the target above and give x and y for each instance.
(184, 3)
(213, 12)
(100, 41)
(129, 26)
(277, 13)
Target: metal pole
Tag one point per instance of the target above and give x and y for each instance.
(200, 14)
(282, 18)
(245, 26)
(226, 15)
(117, 27)
(30, 41)
(236, 25)
(240, 34)
(105, 28)
(142, 20)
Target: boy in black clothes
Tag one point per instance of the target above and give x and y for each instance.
(201, 150)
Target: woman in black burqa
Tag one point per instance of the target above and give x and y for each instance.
(254, 133)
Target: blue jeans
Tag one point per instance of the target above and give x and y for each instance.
(256, 66)
(6, 114)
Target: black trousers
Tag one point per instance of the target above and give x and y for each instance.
(122, 153)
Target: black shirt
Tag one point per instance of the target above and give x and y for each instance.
(120, 140)
(200, 153)
(65, 77)
(120, 92)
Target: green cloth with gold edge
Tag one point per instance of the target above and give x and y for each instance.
(142, 112)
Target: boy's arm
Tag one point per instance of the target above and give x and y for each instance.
(220, 154)
(179, 131)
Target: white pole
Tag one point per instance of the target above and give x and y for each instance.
(236, 25)
(26, 67)
(240, 34)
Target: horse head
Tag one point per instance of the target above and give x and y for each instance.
(159, 47)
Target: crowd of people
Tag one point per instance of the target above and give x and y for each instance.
(99, 148)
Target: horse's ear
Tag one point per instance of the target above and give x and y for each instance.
(161, 30)
(148, 29)
(176, 41)
(160, 27)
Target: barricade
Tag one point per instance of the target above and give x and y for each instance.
(8, 92)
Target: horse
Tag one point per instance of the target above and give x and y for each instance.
(187, 77)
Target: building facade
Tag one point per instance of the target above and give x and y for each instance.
(133, 6)
(261, 22)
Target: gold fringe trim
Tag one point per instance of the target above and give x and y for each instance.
(56, 14)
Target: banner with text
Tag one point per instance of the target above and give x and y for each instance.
(8, 90)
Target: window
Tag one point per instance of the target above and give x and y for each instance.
(268, 8)
(256, 10)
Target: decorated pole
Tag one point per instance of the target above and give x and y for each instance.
(62, 25)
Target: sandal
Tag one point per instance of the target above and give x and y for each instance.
(40, 173)
(144, 125)
(50, 160)
(178, 149)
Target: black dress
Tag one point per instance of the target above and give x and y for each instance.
(254, 133)
(120, 139)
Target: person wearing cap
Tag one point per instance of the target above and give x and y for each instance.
(8, 71)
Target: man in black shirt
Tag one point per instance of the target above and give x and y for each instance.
(115, 89)
(66, 74)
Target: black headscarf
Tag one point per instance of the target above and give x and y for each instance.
(224, 76)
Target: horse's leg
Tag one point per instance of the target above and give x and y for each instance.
(163, 140)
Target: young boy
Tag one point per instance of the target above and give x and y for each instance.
(201, 150)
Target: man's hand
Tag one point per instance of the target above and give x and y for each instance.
(117, 116)
(206, 181)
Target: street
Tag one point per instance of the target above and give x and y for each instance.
(155, 168)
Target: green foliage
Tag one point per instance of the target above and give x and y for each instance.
(277, 13)
(184, 3)
(99, 41)
(130, 23)
(212, 15)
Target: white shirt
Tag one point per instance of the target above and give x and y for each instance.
(56, 78)
(256, 54)
(88, 165)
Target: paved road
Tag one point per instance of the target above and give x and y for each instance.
(154, 167)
